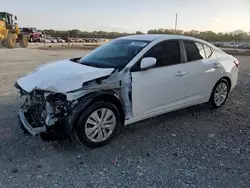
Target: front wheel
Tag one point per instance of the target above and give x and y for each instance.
(23, 42)
(220, 93)
(10, 41)
(98, 124)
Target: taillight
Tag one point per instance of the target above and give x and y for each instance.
(237, 63)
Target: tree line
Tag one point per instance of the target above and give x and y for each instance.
(237, 35)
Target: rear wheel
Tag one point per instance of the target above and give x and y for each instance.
(23, 42)
(98, 124)
(220, 93)
(10, 41)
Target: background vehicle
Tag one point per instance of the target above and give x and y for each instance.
(54, 40)
(124, 81)
(78, 40)
(10, 33)
(246, 46)
(32, 34)
(65, 39)
(47, 39)
(71, 40)
(60, 40)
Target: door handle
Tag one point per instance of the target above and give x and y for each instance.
(180, 73)
(216, 65)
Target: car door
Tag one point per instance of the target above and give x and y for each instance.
(157, 88)
(201, 71)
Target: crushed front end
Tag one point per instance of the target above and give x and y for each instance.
(50, 109)
(42, 110)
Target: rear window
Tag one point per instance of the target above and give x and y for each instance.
(201, 49)
(208, 51)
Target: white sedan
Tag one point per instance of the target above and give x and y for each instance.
(121, 82)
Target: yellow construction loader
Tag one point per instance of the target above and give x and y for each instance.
(10, 32)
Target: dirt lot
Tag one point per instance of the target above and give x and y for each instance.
(194, 147)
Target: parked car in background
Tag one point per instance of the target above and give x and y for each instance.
(231, 45)
(79, 40)
(42, 39)
(47, 39)
(89, 40)
(245, 46)
(124, 81)
(219, 44)
(54, 40)
(238, 45)
(65, 39)
(101, 40)
(32, 33)
(60, 40)
(71, 39)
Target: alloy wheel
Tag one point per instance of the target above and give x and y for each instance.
(100, 125)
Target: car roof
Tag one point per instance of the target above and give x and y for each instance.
(152, 37)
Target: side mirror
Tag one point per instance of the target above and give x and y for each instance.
(148, 62)
(15, 18)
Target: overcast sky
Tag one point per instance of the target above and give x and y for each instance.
(131, 15)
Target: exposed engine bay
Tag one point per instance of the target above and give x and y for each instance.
(45, 110)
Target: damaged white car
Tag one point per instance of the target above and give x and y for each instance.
(124, 81)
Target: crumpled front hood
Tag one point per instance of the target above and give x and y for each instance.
(61, 76)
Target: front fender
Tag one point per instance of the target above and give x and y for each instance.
(75, 111)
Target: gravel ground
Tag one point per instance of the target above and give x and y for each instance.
(193, 147)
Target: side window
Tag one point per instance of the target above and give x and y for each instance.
(8, 19)
(192, 51)
(208, 51)
(166, 53)
(201, 49)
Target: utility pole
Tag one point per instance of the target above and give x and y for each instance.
(176, 19)
(44, 37)
(68, 38)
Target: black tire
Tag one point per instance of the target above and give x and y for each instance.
(80, 125)
(212, 98)
(10, 41)
(50, 136)
(23, 42)
(53, 133)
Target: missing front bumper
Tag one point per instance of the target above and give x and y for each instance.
(32, 130)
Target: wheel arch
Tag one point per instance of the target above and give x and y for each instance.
(222, 78)
(114, 99)
(75, 113)
(227, 79)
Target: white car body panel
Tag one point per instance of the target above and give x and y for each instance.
(159, 82)
(173, 91)
(61, 76)
(195, 86)
(200, 78)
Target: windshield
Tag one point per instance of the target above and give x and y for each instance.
(2, 16)
(115, 54)
(26, 30)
